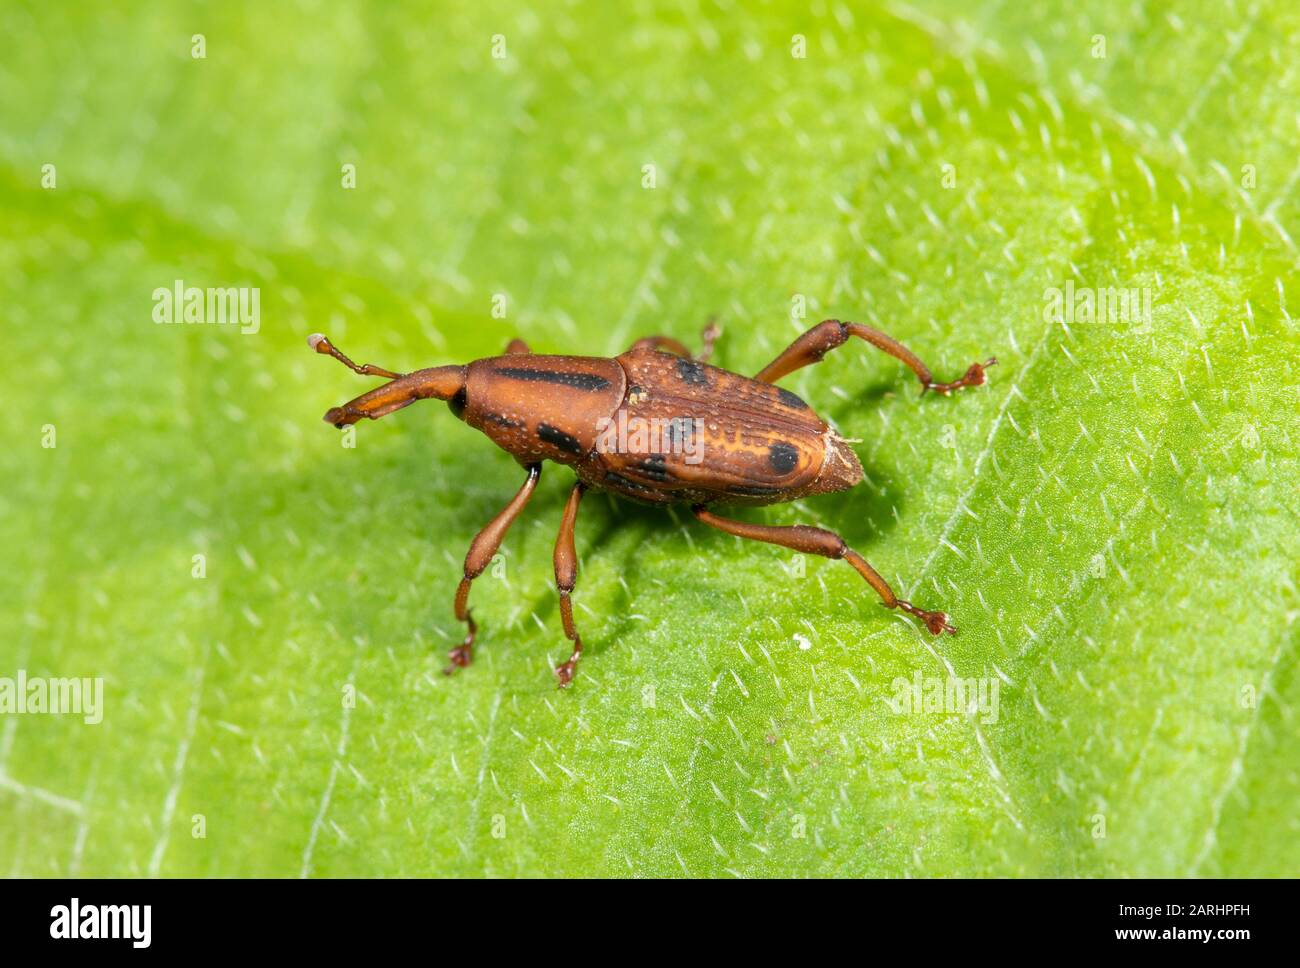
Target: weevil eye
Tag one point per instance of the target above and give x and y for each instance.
(457, 404)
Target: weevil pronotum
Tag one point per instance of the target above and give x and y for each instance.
(700, 436)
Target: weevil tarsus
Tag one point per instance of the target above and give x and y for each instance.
(709, 337)
(974, 376)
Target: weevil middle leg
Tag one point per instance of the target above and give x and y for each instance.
(828, 544)
(826, 336)
(481, 550)
(667, 344)
(566, 577)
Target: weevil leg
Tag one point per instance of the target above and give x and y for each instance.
(321, 344)
(666, 344)
(708, 336)
(826, 336)
(481, 550)
(566, 576)
(828, 544)
(516, 347)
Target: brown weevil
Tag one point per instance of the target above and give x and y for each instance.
(656, 425)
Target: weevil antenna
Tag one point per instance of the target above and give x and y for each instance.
(321, 344)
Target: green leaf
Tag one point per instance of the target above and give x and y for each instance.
(1111, 521)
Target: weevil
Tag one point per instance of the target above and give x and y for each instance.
(657, 425)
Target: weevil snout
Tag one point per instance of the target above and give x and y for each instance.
(340, 417)
(437, 382)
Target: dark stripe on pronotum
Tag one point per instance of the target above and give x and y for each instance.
(692, 372)
(579, 381)
(782, 457)
(559, 439)
(752, 490)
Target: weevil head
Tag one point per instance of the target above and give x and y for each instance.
(534, 407)
(437, 382)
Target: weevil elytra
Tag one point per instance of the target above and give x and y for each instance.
(656, 425)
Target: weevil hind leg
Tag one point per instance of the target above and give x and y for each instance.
(667, 344)
(664, 344)
(708, 337)
(481, 551)
(517, 347)
(566, 577)
(827, 544)
(826, 336)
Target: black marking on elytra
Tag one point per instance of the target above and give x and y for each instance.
(752, 490)
(618, 480)
(790, 399)
(692, 372)
(655, 468)
(578, 381)
(559, 438)
(782, 457)
(501, 421)
(457, 403)
(682, 432)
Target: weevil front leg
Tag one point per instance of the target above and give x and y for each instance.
(828, 544)
(666, 344)
(481, 550)
(826, 336)
(566, 576)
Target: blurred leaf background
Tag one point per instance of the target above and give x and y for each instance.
(1111, 522)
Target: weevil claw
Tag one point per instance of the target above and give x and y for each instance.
(564, 673)
(460, 658)
(936, 622)
(973, 377)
